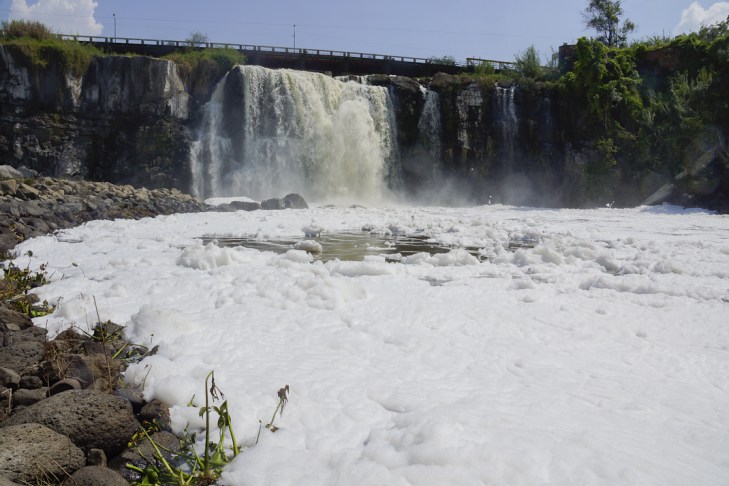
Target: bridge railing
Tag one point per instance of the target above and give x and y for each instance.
(498, 65)
(275, 50)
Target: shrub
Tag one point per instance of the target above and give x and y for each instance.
(528, 63)
(15, 29)
(219, 61)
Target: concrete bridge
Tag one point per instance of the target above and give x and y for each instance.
(335, 62)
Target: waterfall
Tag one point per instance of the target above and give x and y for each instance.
(507, 121)
(266, 133)
(429, 125)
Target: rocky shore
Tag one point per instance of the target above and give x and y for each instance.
(66, 415)
(32, 206)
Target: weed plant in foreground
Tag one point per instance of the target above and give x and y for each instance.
(188, 467)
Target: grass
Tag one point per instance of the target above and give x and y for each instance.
(39, 53)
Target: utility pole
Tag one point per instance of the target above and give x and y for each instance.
(114, 15)
(294, 36)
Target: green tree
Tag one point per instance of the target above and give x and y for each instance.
(528, 63)
(604, 17)
(197, 39)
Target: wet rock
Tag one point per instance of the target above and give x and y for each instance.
(245, 205)
(31, 453)
(167, 443)
(95, 476)
(295, 201)
(273, 204)
(91, 419)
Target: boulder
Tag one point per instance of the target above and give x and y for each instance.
(23, 355)
(7, 172)
(10, 317)
(33, 453)
(95, 476)
(91, 419)
(273, 203)
(25, 397)
(30, 382)
(295, 201)
(245, 205)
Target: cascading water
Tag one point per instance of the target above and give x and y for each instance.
(429, 125)
(268, 132)
(507, 121)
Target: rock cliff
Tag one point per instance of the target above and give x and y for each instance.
(124, 120)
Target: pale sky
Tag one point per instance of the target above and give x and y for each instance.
(488, 29)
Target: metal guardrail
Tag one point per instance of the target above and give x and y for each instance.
(275, 50)
(498, 65)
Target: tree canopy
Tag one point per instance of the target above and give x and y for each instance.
(604, 17)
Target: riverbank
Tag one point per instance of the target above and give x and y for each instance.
(65, 408)
(33, 206)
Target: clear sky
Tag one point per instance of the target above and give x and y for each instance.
(487, 29)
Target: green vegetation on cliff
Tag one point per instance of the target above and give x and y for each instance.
(39, 46)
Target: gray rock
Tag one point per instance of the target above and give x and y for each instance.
(157, 411)
(9, 378)
(23, 355)
(27, 173)
(26, 397)
(9, 316)
(95, 476)
(8, 187)
(91, 419)
(66, 384)
(91, 370)
(245, 205)
(30, 382)
(272, 204)
(34, 453)
(295, 201)
(7, 172)
(133, 395)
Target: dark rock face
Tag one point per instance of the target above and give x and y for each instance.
(33, 452)
(124, 121)
(91, 419)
